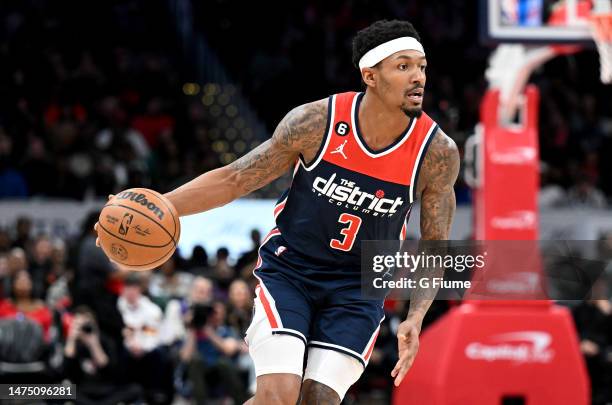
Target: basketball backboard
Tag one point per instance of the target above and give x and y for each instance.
(538, 21)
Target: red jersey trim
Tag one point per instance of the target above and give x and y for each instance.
(420, 157)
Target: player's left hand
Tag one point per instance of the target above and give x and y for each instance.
(407, 348)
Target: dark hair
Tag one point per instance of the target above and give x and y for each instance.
(133, 279)
(89, 222)
(222, 253)
(13, 279)
(84, 310)
(378, 33)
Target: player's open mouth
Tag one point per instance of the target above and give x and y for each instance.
(416, 96)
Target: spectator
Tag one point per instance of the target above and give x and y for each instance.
(551, 194)
(23, 303)
(593, 320)
(585, 195)
(93, 279)
(240, 307)
(169, 283)
(173, 326)
(38, 168)
(58, 295)
(155, 122)
(16, 261)
(141, 317)
(222, 272)
(92, 363)
(5, 278)
(147, 361)
(23, 239)
(246, 262)
(239, 318)
(198, 263)
(5, 241)
(118, 134)
(58, 258)
(12, 182)
(209, 349)
(41, 266)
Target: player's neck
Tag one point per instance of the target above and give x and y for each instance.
(380, 125)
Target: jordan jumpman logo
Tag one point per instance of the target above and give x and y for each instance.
(340, 149)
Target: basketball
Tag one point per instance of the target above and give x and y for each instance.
(139, 229)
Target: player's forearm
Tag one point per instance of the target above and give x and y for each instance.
(210, 190)
(438, 210)
(439, 173)
(259, 167)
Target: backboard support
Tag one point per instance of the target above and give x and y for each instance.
(538, 21)
(528, 33)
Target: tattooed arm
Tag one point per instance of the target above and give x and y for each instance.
(299, 133)
(438, 175)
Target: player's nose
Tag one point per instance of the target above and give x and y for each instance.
(418, 78)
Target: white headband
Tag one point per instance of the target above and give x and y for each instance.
(375, 55)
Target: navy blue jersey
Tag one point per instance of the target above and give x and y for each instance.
(348, 192)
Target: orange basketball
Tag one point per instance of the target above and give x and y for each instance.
(139, 229)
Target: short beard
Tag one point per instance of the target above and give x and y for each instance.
(412, 112)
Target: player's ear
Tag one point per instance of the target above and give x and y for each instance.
(368, 75)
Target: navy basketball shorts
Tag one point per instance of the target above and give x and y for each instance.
(299, 306)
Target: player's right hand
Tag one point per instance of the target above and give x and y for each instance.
(117, 265)
(96, 224)
(407, 348)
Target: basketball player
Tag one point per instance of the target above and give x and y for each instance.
(359, 161)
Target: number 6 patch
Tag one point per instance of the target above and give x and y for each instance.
(342, 128)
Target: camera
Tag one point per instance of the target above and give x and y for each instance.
(87, 328)
(200, 312)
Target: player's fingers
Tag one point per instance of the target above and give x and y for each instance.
(111, 196)
(400, 377)
(399, 364)
(397, 372)
(96, 227)
(403, 370)
(397, 367)
(98, 242)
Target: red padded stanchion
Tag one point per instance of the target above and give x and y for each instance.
(502, 352)
(482, 354)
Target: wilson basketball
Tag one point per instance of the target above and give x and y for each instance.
(139, 229)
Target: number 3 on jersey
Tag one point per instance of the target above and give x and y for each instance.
(349, 232)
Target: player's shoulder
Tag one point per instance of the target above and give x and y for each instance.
(442, 143)
(314, 112)
(320, 109)
(304, 126)
(441, 163)
(302, 129)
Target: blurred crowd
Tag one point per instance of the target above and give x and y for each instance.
(84, 114)
(82, 117)
(174, 334)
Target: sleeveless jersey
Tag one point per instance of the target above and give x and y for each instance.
(349, 192)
